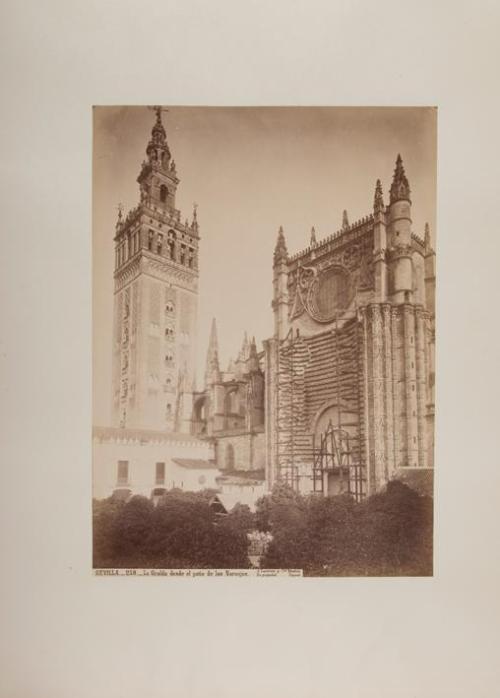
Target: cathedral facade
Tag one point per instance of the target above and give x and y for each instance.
(349, 370)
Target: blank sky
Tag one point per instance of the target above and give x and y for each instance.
(251, 170)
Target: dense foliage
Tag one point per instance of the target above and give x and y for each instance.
(388, 534)
(181, 531)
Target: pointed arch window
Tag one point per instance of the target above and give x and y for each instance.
(163, 193)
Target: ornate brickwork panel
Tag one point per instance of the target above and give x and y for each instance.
(186, 312)
(154, 357)
(154, 302)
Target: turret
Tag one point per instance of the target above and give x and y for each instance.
(379, 243)
(399, 236)
(253, 365)
(241, 361)
(280, 286)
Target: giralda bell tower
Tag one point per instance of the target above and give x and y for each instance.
(155, 300)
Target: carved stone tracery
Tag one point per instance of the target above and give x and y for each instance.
(329, 286)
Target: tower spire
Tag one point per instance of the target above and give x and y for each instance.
(212, 370)
(280, 251)
(378, 201)
(400, 188)
(345, 220)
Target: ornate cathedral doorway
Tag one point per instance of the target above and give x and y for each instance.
(337, 466)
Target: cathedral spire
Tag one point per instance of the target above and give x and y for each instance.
(245, 347)
(212, 370)
(253, 358)
(345, 220)
(378, 201)
(313, 237)
(400, 188)
(280, 251)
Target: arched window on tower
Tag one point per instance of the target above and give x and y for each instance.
(169, 359)
(163, 193)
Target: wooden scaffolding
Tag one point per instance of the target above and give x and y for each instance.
(337, 453)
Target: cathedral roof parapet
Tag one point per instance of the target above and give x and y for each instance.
(418, 240)
(338, 238)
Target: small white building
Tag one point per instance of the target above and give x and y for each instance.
(139, 461)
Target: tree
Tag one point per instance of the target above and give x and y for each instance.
(389, 533)
(104, 516)
(131, 532)
(180, 532)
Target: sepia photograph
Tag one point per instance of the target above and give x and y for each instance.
(264, 340)
(249, 351)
